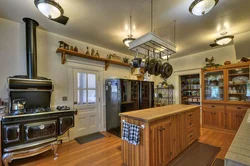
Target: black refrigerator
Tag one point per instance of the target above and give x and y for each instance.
(123, 95)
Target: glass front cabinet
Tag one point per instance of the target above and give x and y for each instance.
(238, 85)
(225, 96)
(213, 82)
(229, 85)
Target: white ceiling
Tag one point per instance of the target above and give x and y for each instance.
(102, 22)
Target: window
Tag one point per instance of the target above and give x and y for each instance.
(86, 88)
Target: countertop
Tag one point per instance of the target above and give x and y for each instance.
(239, 151)
(152, 114)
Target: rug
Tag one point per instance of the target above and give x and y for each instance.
(198, 154)
(89, 138)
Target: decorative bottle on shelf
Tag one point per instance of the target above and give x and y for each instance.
(87, 51)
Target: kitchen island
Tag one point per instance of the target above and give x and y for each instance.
(165, 133)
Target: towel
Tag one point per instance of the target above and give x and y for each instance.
(125, 131)
(134, 134)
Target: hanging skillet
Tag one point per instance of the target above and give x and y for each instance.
(168, 70)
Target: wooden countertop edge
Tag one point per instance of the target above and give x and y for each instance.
(160, 117)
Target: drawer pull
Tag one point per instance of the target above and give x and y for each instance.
(212, 106)
(190, 124)
(191, 136)
(239, 108)
(162, 129)
(179, 114)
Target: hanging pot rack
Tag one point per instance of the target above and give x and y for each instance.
(153, 43)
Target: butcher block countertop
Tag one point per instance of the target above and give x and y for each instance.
(153, 114)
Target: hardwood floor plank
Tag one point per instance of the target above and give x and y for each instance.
(104, 152)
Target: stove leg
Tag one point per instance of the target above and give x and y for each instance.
(7, 158)
(54, 147)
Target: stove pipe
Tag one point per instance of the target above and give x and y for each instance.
(31, 49)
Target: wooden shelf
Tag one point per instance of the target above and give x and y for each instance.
(128, 102)
(82, 55)
(190, 89)
(237, 84)
(238, 74)
(236, 93)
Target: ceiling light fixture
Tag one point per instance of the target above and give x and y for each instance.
(49, 8)
(202, 7)
(130, 38)
(224, 40)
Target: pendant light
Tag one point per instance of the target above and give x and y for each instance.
(224, 40)
(202, 7)
(130, 38)
(49, 8)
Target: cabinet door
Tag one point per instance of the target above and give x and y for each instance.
(179, 134)
(207, 117)
(218, 119)
(160, 143)
(213, 89)
(239, 119)
(230, 120)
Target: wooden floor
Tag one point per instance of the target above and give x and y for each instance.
(104, 152)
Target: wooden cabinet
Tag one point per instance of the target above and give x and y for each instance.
(213, 115)
(234, 116)
(160, 135)
(225, 100)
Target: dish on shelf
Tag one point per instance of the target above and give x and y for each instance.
(231, 82)
(234, 99)
(240, 79)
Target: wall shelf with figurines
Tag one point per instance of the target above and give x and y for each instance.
(88, 55)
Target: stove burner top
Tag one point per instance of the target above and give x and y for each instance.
(31, 111)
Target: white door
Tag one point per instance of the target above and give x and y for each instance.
(86, 101)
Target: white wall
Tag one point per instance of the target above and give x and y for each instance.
(193, 63)
(13, 58)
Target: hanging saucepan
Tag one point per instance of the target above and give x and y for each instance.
(162, 69)
(168, 70)
(151, 66)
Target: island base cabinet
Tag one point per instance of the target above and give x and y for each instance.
(162, 140)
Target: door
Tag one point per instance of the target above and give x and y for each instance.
(86, 101)
(144, 95)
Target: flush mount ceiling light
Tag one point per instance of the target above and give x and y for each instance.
(224, 40)
(49, 8)
(130, 38)
(202, 7)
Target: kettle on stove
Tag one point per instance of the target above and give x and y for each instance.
(18, 104)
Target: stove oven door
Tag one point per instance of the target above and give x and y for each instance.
(66, 123)
(40, 130)
(11, 133)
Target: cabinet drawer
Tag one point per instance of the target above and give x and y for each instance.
(236, 108)
(213, 106)
(190, 124)
(190, 115)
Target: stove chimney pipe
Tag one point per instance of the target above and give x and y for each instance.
(31, 49)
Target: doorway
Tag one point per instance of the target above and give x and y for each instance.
(86, 101)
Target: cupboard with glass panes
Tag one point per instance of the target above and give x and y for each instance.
(225, 96)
